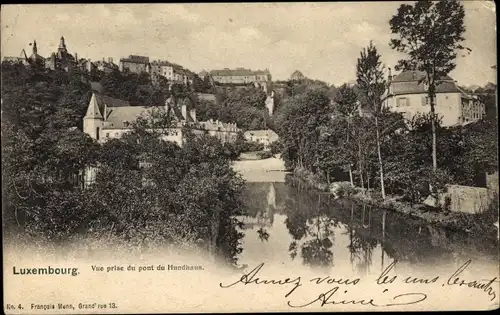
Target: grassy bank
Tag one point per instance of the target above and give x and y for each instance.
(475, 224)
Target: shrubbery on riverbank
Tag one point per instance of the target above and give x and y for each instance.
(478, 224)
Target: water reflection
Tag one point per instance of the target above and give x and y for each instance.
(314, 229)
(260, 210)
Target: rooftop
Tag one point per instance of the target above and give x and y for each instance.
(410, 76)
(136, 59)
(262, 133)
(407, 82)
(238, 72)
(297, 75)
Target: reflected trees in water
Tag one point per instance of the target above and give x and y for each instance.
(311, 229)
(263, 234)
(361, 245)
(368, 235)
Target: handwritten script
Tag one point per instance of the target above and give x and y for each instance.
(339, 289)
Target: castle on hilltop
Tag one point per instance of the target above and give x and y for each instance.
(60, 60)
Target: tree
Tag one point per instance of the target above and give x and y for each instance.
(301, 126)
(347, 106)
(201, 86)
(430, 32)
(370, 78)
(243, 106)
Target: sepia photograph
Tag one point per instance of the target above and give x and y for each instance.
(249, 157)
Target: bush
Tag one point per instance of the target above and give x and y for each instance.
(447, 204)
(276, 147)
(343, 189)
(251, 146)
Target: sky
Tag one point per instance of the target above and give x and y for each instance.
(322, 40)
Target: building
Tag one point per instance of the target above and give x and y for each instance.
(351, 83)
(241, 76)
(61, 59)
(160, 68)
(85, 65)
(203, 74)
(265, 137)
(134, 63)
(225, 132)
(297, 76)
(105, 65)
(207, 97)
(11, 59)
(33, 59)
(181, 75)
(170, 71)
(107, 118)
(408, 95)
(271, 103)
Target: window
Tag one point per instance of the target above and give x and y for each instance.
(107, 135)
(425, 100)
(97, 133)
(402, 101)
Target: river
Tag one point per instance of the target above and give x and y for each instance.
(288, 226)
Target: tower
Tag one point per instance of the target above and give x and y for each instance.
(61, 51)
(92, 122)
(270, 103)
(62, 45)
(35, 50)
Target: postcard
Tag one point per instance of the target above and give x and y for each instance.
(249, 157)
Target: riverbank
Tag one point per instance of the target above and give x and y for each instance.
(480, 224)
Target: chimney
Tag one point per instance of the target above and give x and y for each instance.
(184, 111)
(110, 60)
(76, 57)
(192, 113)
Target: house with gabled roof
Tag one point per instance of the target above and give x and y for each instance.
(407, 94)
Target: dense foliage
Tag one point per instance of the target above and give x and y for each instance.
(349, 135)
(241, 145)
(327, 138)
(147, 192)
(244, 106)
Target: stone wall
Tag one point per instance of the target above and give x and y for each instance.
(466, 199)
